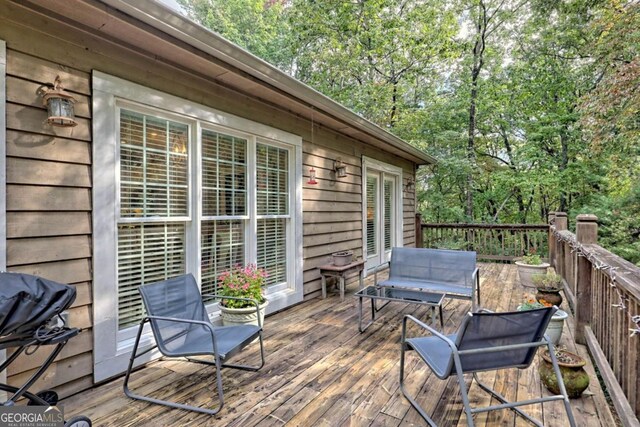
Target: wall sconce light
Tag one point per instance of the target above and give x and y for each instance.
(410, 185)
(340, 168)
(312, 176)
(59, 105)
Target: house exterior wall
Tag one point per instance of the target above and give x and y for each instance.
(49, 170)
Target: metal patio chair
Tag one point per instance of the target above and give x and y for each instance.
(181, 328)
(485, 341)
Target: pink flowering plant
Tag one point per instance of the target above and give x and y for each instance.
(243, 282)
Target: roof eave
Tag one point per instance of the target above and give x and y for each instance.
(178, 26)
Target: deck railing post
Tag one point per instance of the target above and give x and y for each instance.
(560, 264)
(551, 241)
(419, 236)
(586, 234)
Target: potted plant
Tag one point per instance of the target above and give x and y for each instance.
(242, 282)
(556, 325)
(574, 377)
(529, 265)
(549, 286)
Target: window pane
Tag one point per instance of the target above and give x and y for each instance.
(372, 213)
(153, 166)
(388, 212)
(223, 174)
(222, 248)
(272, 180)
(147, 253)
(272, 249)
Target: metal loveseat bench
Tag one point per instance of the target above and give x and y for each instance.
(449, 272)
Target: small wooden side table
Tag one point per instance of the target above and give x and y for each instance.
(341, 271)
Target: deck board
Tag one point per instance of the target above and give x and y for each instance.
(320, 371)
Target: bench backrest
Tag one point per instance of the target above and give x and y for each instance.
(433, 265)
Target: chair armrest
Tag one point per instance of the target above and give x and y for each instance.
(424, 326)
(375, 271)
(208, 325)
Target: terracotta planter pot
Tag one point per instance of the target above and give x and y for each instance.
(526, 271)
(243, 316)
(575, 378)
(552, 297)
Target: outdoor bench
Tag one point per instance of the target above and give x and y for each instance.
(449, 272)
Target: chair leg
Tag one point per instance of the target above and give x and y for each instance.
(411, 400)
(502, 399)
(132, 395)
(563, 390)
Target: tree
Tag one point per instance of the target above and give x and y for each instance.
(256, 25)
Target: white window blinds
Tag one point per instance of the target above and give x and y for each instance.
(372, 214)
(388, 212)
(154, 193)
(224, 195)
(272, 183)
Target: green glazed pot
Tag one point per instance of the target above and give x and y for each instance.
(575, 378)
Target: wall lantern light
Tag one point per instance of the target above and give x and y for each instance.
(312, 176)
(59, 105)
(340, 168)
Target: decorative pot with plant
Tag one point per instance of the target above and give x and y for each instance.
(549, 286)
(242, 282)
(529, 265)
(554, 329)
(575, 378)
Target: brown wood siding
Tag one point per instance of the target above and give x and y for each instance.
(49, 169)
(48, 208)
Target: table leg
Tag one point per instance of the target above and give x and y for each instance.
(324, 286)
(341, 287)
(361, 279)
(441, 319)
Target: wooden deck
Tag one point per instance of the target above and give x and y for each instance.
(320, 371)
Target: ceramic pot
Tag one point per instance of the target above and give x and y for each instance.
(243, 316)
(342, 258)
(554, 329)
(552, 297)
(574, 377)
(526, 271)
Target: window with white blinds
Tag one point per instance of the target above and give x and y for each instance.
(154, 206)
(372, 215)
(180, 187)
(222, 244)
(224, 196)
(272, 188)
(388, 212)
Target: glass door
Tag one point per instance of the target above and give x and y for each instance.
(380, 217)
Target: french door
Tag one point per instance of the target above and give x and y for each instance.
(382, 212)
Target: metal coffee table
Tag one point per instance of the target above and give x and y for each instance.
(389, 294)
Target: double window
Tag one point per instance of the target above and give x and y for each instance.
(185, 189)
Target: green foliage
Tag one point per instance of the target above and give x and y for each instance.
(549, 281)
(531, 259)
(556, 95)
(243, 282)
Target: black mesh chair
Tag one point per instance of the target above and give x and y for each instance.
(485, 341)
(181, 328)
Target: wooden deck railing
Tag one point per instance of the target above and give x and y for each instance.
(604, 292)
(495, 242)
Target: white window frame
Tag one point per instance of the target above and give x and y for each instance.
(370, 164)
(112, 347)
